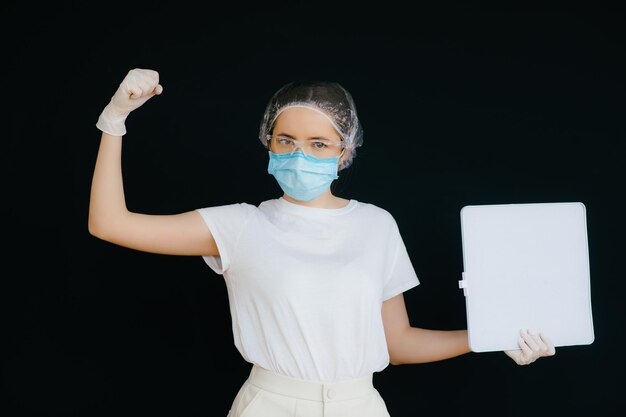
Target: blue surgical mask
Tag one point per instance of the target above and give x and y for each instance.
(301, 176)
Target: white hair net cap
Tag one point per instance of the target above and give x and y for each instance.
(330, 99)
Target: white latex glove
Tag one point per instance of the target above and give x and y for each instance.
(532, 347)
(136, 88)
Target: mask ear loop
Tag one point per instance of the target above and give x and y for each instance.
(343, 150)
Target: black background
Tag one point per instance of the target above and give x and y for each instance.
(458, 107)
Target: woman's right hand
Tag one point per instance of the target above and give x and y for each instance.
(136, 88)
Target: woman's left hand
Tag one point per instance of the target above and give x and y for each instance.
(532, 347)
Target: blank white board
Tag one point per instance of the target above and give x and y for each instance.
(526, 266)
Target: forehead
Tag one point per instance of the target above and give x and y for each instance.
(304, 121)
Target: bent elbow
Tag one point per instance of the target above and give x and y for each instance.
(93, 229)
(96, 228)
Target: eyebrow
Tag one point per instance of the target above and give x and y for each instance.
(311, 138)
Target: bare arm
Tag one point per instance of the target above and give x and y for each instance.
(408, 344)
(109, 218)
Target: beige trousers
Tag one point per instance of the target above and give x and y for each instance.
(268, 394)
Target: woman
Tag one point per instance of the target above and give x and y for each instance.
(315, 282)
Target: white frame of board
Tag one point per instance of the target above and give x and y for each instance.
(526, 266)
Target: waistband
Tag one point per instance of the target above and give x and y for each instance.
(310, 390)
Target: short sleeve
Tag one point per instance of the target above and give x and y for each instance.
(402, 275)
(226, 224)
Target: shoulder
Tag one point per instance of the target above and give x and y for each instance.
(376, 213)
(233, 209)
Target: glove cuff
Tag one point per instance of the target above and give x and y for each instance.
(112, 122)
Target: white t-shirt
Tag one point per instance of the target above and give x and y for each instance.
(306, 285)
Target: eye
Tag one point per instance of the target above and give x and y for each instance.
(284, 141)
(318, 145)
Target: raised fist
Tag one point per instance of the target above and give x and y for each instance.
(136, 88)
